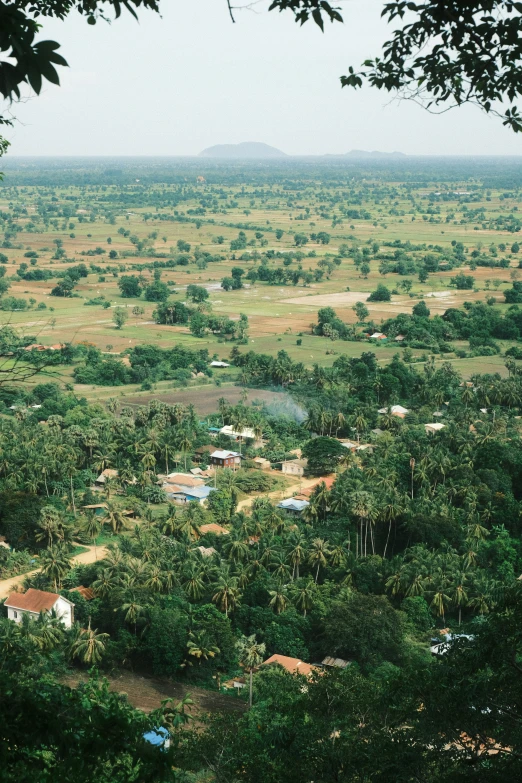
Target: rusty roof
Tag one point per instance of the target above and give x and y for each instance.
(35, 601)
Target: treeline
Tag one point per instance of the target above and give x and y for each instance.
(147, 363)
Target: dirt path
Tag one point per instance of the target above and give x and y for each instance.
(8, 585)
(147, 693)
(280, 494)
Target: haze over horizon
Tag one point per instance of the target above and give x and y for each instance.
(178, 84)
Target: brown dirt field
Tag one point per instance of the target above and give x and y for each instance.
(205, 399)
(147, 693)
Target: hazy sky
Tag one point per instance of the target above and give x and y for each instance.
(177, 84)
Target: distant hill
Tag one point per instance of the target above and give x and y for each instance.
(374, 154)
(247, 149)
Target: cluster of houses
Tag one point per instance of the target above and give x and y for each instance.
(293, 666)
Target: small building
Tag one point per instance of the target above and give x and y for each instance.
(3, 543)
(108, 473)
(86, 592)
(291, 665)
(183, 494)
(203, 453)
(400, 338)
(261, 463)
(206, 551)
(34, 602)
(293, 505)
(436, 426)
(219, 364)
(348, 444)
(247, 433)
(395, 410)
(378, 336)
(294, 467)
(225, 459)
(336, 663)
(183, 479)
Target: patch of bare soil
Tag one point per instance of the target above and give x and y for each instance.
(205, 399)
(147, 693)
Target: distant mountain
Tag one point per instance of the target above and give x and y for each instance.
(247, 149)
(374, 154)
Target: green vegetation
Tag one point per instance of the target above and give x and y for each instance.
(406, 528)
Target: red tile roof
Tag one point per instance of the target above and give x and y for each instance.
(32, 601)
(87, 592)
(292, 665)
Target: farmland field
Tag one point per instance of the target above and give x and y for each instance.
(300, 236)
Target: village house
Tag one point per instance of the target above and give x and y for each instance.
(240, 436)
(219, 364)
(395, 410)
(293, 505)
(108, 473)
(203, 453)
(292, 665)
(179, 493)
(436, 426)
(261, 463)
(294, 467)
(86, 592)
(225, 459)
(33, 602)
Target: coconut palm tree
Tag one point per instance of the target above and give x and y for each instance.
(297, 554)
(48, 525)
(319, 554)
(55, 563)
(114, 517)
(303, 597)
(227, 593)
(194, 584)
(200, 647)
(88, 645)
(251, 654)
(133, 611)
(92, 527)
(278, 599)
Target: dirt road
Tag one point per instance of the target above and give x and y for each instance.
(8, 585)
(280, 494)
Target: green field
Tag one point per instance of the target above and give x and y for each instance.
(139, 220)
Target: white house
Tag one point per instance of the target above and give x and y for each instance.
(436, 426)
(35, 601)
(219, 364)
(294, 467)
(247, 433)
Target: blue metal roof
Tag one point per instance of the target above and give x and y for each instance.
(157, 737)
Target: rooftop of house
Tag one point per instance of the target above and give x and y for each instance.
(436, 425)
(184, 479)
(301, 463)
(219, 364)
(395, 410)
(292, 665)
(87, 592)
(292, 504)
(34, 601)
(222, 454)
(246, 432)
(108, 473)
